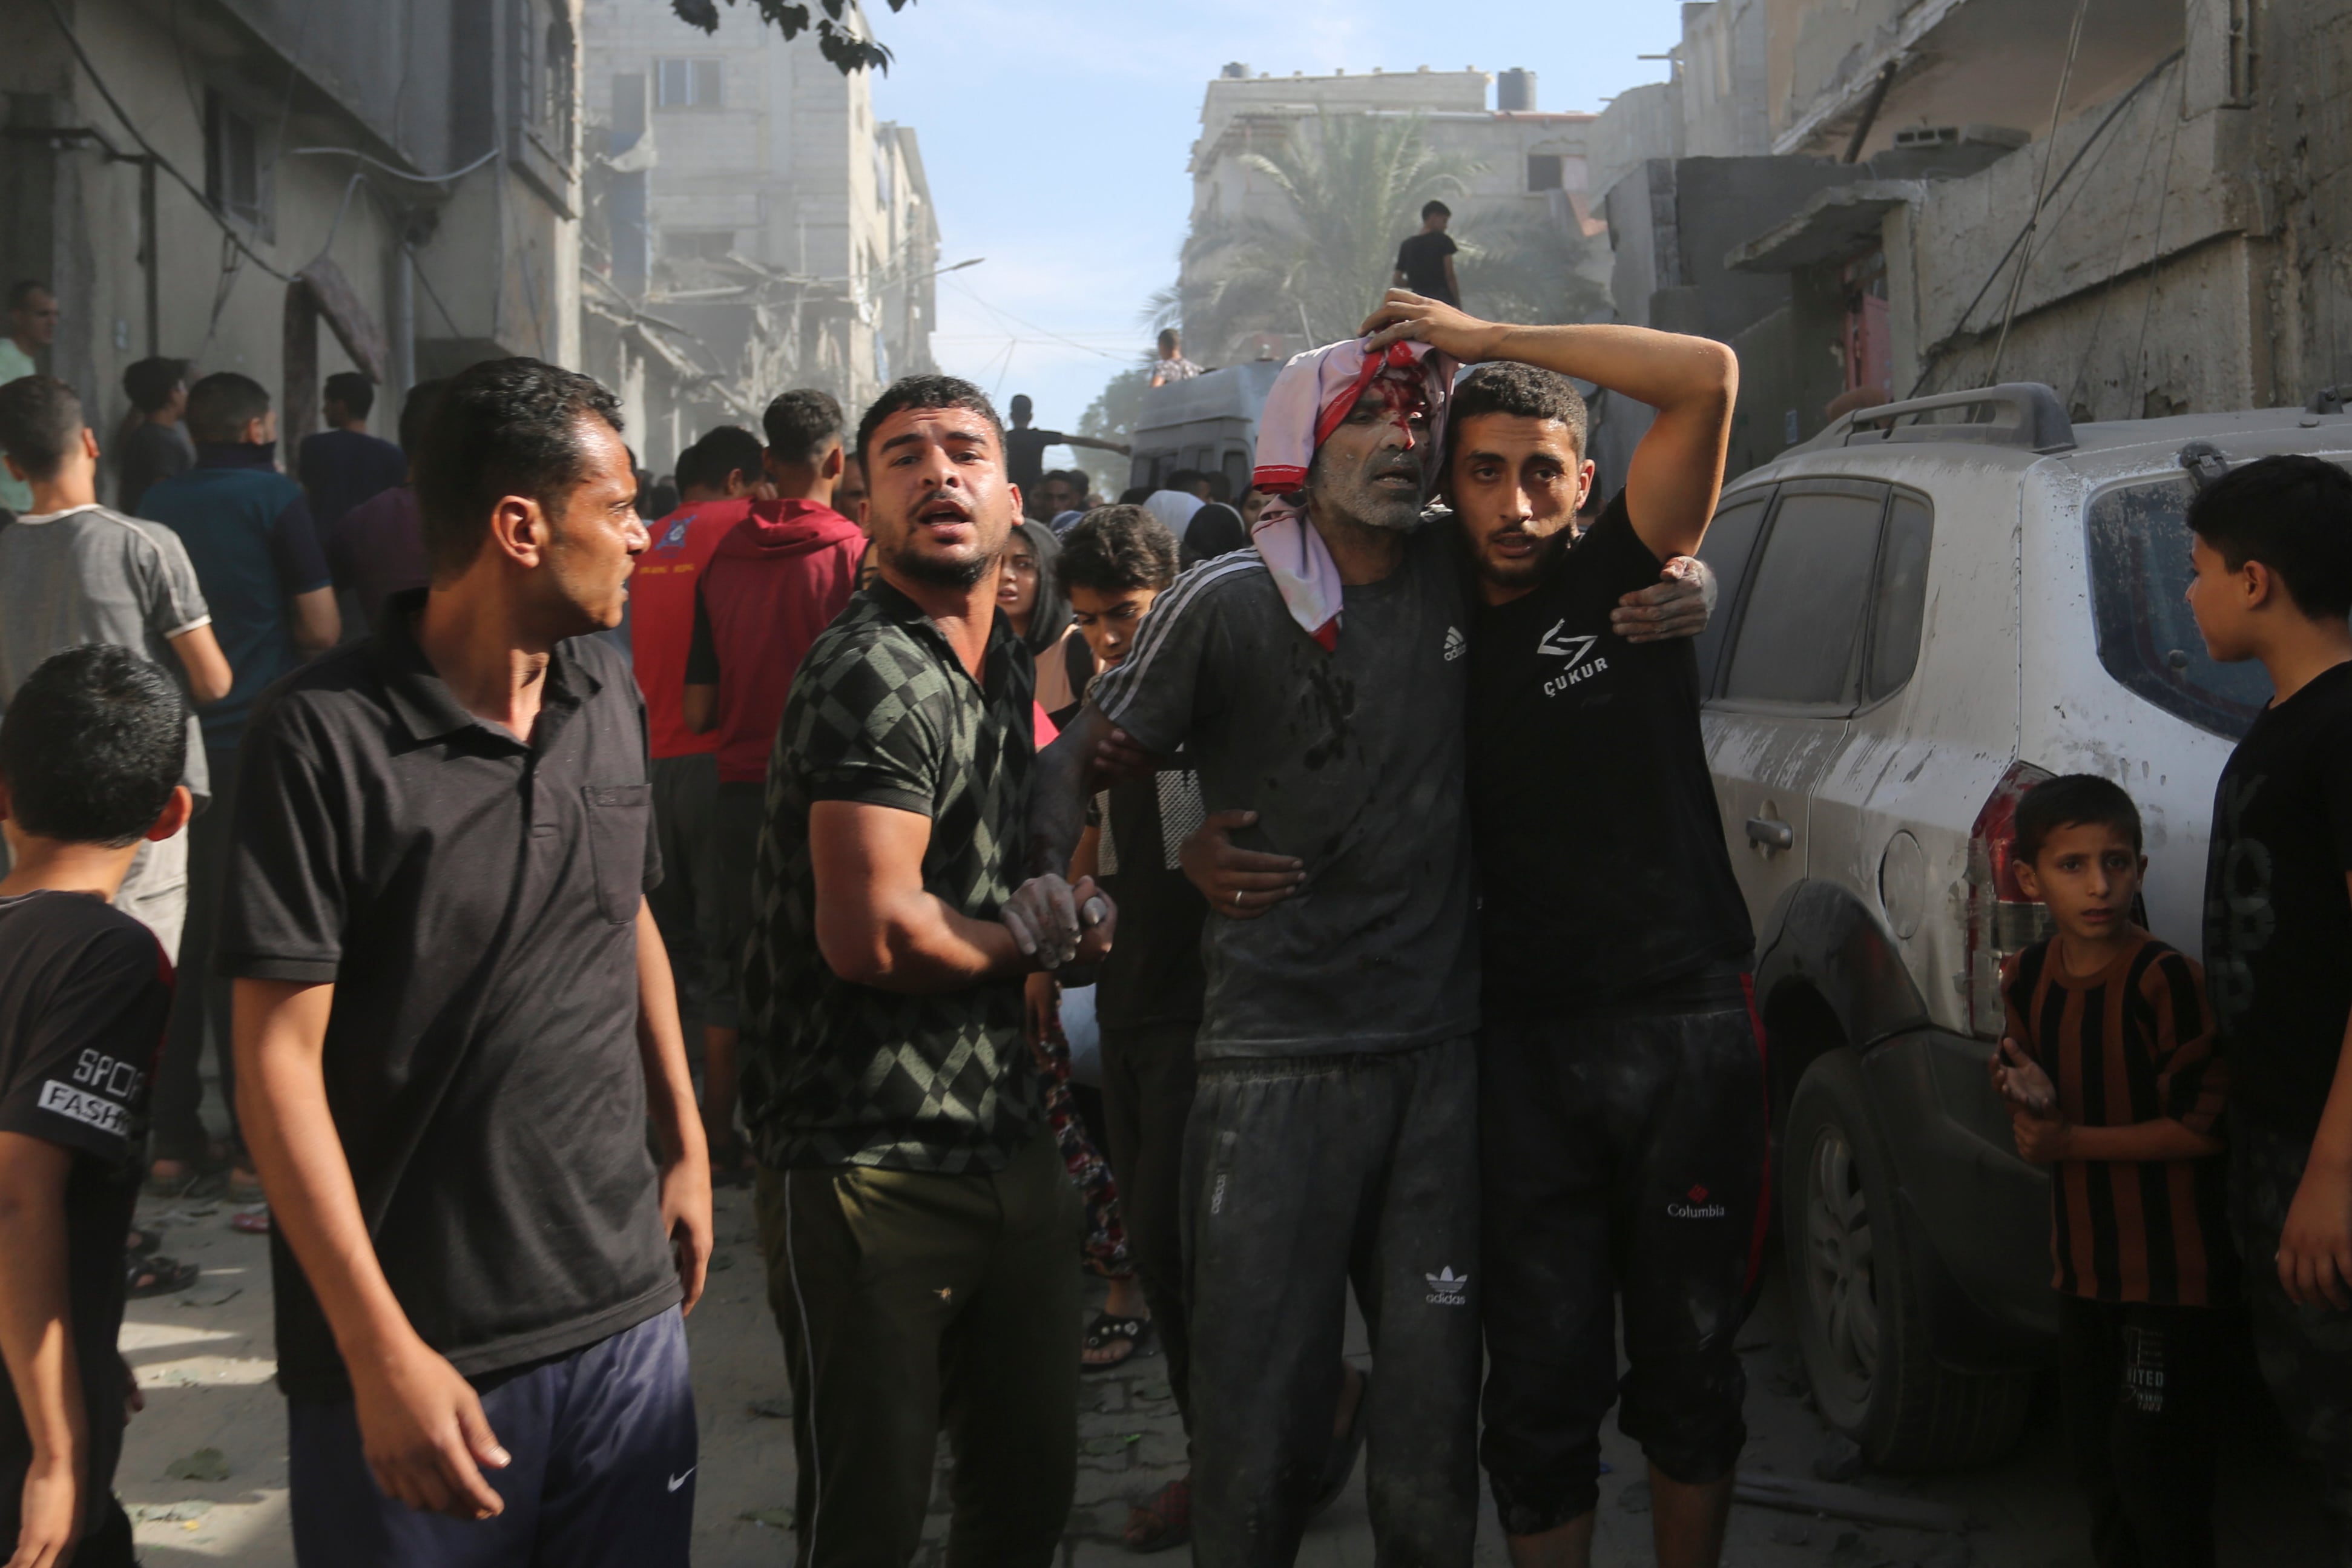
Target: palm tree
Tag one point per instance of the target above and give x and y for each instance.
(1530, 269)
(1353, 185)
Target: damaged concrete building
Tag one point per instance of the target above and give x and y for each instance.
(1516, 176)
(220, 180)
(290, 188)
(2141, 203)
(752, 226)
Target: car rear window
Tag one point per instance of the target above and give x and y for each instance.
(2147, 639)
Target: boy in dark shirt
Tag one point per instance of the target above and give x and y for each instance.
(2108, 1070)
(1113, 563)
(2272, 555)
(90, 755)
(1424, 262)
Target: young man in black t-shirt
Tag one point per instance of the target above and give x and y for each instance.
(90, 755)
(1622, 1111)
(1424, 262)
(2273, 553)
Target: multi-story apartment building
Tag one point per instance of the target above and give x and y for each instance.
(752, 227)
(2138, 202)
(216, 180)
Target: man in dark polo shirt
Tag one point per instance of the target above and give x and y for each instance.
(919, 1230)
(454, 1019)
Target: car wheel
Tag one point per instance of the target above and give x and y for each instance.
(1855, 1295)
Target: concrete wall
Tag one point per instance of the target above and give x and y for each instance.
(1639, 124)
(495, 249)
(1719, 66)
(1991, 62)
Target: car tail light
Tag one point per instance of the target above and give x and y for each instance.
(2001, 919)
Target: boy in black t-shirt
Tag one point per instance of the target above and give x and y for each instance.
(1424, 262)
(90, 755)
(2273, 553)
(1622, 1094)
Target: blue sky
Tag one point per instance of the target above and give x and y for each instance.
(1056, 133)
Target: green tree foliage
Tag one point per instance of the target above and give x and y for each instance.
(1529, 270)
(836, 39)
(1353, 185)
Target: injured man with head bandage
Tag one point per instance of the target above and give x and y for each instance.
(1318, 684)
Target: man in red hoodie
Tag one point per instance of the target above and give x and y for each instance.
(720, 477)
(774, 582)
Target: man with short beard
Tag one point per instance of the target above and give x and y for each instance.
(918, 1225)
(1623, 1102)
(458, 1042)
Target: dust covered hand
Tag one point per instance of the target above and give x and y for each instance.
(1240, 884)
(1678, 604)
(1058, 924)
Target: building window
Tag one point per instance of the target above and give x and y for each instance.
(1544, 172)
(698, 243)
(556, 87)
(543, 66)
(686, 84)
(232, 162)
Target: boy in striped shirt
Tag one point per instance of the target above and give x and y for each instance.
(2111, 1079)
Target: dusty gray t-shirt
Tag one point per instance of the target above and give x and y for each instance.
(92, 575)
(1353, 762)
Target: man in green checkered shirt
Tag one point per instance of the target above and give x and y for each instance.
(913, 1209)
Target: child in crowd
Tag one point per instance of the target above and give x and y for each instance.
(90, 755)
(1113, 563)
(2110, 1077)
(2273, 553)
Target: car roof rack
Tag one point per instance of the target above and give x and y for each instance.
(2014, 414)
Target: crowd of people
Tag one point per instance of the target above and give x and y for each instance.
(1252, 900)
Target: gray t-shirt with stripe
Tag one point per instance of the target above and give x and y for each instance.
(89, 574)
(1353, 760)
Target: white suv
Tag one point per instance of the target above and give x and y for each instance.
(1925, 610)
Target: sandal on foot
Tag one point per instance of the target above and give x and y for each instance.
(157, 1275)
(139, 1243)
(1105, 1332)
(254, 1221)
(1340, 1463)
(1162, 1521)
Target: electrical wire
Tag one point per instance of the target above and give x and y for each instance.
(159, 161)
(2155, 249)
(1959, 325)
(417, 270)
(1002, 315)
(2083, 366)
(396, 174)
(2041, 191)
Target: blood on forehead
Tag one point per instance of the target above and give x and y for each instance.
(1402, 397)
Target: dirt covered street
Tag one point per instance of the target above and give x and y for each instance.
(204, 1470)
